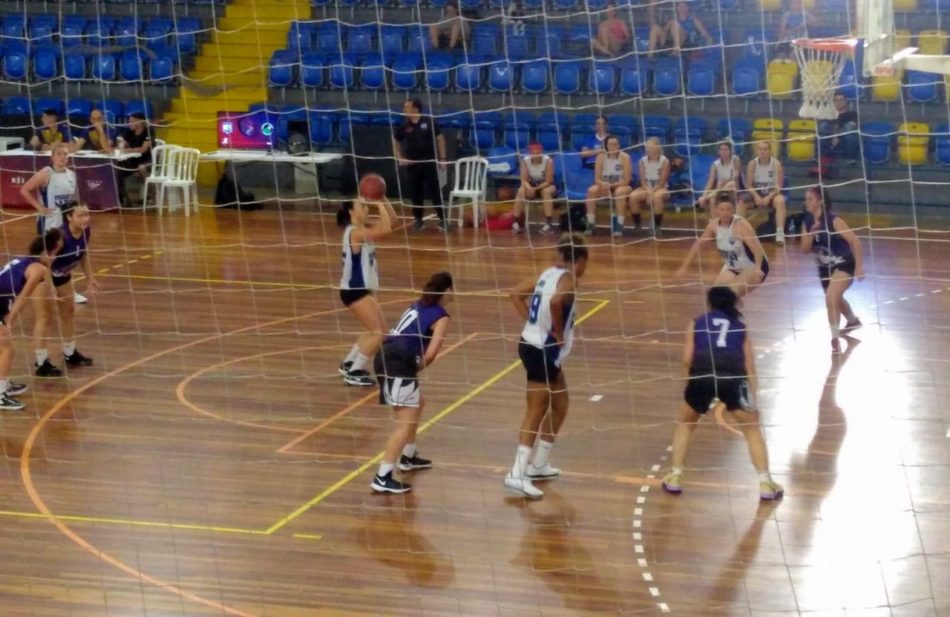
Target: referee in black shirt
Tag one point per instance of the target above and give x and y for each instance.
(415, 146)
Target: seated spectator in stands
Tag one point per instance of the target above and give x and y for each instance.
(450, 32)
(764, 179)
(537, 184)
(683, 30)
(612, 175)
(96, 135)
(725, 174)
(51, 133)
(595, 145)
(795, 23)
(613, 34)
(654, 182)
(135, 139)
(840, 136)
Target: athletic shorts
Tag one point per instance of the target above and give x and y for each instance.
(59, 281)
(349, 296)
(539, 366)
(5, 303)
(536, 184)
(825, 272)
(398, 381)
(732, 391)
(765, 270)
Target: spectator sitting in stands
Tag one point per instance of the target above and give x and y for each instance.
(96, 135)
(724, 174)
(795, 23)
(537, 183)
(839, 136)
(653, 192)
(613, 34)
(51, 133)
(451, 31)
(684, 30)
(612, 175)
(764, 180)
(595, 145)
(136, 139)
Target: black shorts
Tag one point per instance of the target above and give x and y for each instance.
(5, 303)
(349, 296)
(765, 270)
(732, 391)
(397, 378)
(59, 281)
(825, 272)
(538, 365)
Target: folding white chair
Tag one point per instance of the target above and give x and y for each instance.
(159, 174)
(183, 171)
(471, 178)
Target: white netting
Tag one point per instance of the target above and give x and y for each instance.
(821, 69)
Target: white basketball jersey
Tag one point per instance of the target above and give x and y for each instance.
(725, 171)
(538, 330)
(537, 172)
(733, 250)
(652, 169)
(764, 176)
(59, 191)
(612, 169)
(359, 271)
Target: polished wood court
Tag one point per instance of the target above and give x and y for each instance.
(212, 462)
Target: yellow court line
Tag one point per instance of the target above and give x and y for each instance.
(452, 407)
(136, 523)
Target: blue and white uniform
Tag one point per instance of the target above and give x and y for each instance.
(360, 275)
(397, 362)
(832, 252)
(734, 252)
(537, 172)
(652, 169)
(539, 352)
(717, 369)
(612, 168)
(70, 255)
(59, 191)
(12, 282)
(725, 172)
(596, 142)
(763, 177)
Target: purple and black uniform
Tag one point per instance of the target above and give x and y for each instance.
(397, 362)
(718, 366)
(12, 281)
(832, 252)
(69, 256)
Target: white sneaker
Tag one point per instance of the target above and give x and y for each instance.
(780, 238)
(522, 486)
(543, 473)
(78, 298)
(516, 228)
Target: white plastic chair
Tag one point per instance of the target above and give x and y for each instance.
(471, 178)
(183, 174)
(159, 175)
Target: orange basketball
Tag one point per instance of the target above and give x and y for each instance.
(372, 187)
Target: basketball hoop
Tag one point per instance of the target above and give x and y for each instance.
(820, 62)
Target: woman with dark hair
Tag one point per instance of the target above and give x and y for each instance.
(838, 254)
(18, 280)
(360, 279)
(613, 172)
(411, 346)
(719, 363)
(546, 304)
(75, 252)
(745, 265)
(725, 174)
(419, 145)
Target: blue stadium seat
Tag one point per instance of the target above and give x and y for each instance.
(301, 35)
(360, 39)
(747, 76)
(579, 35)
(517, 135)
(922, 87)
(71, 32)
(577, 182)
(581, 133)
(701, 79)
(657, 126)
(161, 69)
(40, 34)
(549, 134)
(45, 19)
(321, 127)
(280, 72)
(16, 106)
(483, 40)
(468, 75)
(74, 65)
(549, 40)
(126, 34)
(470, 5)
(688, 141)
(876, 138)
(141, 107)
(130, 66)
(438, 71)
(185, 34)
(373, 72)
(113, 110)
(44, 64)
(312, 70)
(104, 67)
(342, 74)
(596, 5)
(633, 81)
(564, 5)
(567, 77)
(737, 130)
(501, 76)
(641, 39)
(78, 108)
(15, 65)
(391, 40)
(47, 102)
(456, 118)
(329, 37)
(13, 27)
(848, 82)
(624, 134)
(942, 144)
(602, 77)
(502, 161)
(623, 121)
(483, 133)
(404, 71)
(517, 45)
(534, 76)
(532, 5)
(666, 77)
(417, 38)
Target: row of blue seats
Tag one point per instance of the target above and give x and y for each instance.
(180, 34)
(77, 108)
(529, 5)
(49, 63)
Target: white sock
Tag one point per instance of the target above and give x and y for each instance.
(765, 476)
(385, 469)
(359, 363)
(4, 386)
(409, 451)
(620, 220)
(677, 470)
(41, 356)
(69, 348)
(522, 456)
(835, 331)
(541, 451)
(591, 218)
(352, 355)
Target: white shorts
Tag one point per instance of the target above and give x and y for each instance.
(401, 391)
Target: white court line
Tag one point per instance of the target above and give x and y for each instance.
(638, 547)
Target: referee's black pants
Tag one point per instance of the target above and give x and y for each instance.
(424, 178)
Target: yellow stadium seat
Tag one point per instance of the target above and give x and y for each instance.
(808, 4)
(802, 126)
(913, 141)
(901, 39)
(770, 5)
(905, 6)
(801, 140)
(932, 42)
(768, 124)
(780, 78)
(886, 89)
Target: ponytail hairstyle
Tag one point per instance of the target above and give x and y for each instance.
(69, 209)
(435, 289)
(572, 248)
(343, 214)
(724, 299)
(46, 243)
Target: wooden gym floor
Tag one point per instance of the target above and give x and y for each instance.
(212, 462)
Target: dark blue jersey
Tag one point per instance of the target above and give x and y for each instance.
(829, 247)
(413, 332)
(13, 276)
(718, 345)
(72, 252)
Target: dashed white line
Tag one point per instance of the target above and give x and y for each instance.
(597, 398)
(663, 607)
(648, 577)
(654, 592)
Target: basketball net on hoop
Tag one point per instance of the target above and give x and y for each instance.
(820, 63)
